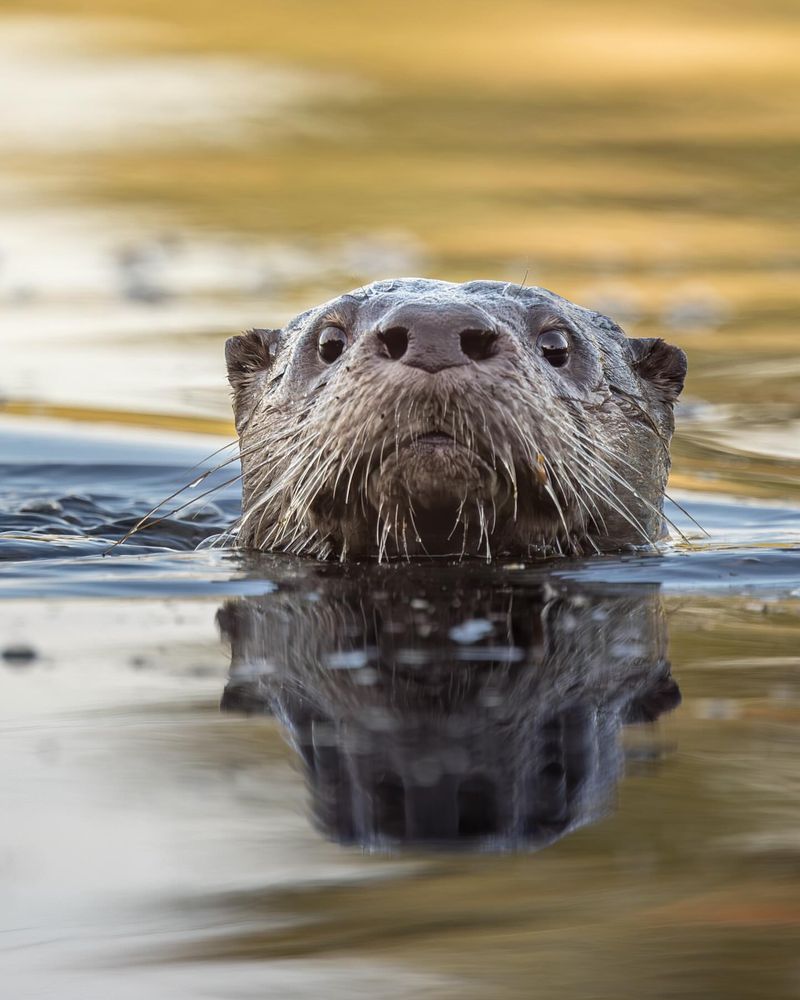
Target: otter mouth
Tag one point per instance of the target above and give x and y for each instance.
(445, 491)
(435, 490)
(433, 440)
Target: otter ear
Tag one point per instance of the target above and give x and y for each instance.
(661, 364)
(250, 353)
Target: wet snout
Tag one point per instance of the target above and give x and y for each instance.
(433, 336)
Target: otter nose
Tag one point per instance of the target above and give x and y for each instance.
(434, 337)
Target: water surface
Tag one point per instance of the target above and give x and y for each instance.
(232, 775)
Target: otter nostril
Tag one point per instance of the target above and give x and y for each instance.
(478, 344)
(395, 340)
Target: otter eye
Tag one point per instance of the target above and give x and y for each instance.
(332, 341)
(554, 345)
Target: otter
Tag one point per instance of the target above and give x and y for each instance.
(416, 417)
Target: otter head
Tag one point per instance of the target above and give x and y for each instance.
(416, 417)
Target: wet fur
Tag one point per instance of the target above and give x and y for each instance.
(545, 460)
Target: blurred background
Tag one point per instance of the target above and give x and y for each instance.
(173, 172)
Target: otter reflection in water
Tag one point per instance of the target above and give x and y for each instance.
(452, 707)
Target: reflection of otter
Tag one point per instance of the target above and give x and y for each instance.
(430, 707)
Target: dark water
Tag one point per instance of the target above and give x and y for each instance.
(230, 775)
(68, 503)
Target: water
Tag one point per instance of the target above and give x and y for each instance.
(633, 715)
(231, 775)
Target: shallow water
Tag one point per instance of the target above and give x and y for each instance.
(230, 775)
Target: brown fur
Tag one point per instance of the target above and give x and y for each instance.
(337, 460)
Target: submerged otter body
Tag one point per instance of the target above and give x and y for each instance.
(416, 417)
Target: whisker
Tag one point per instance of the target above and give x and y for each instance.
(149, 524)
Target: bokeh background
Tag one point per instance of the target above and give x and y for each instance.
(173, 172)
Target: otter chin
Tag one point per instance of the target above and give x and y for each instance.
(431, 478)
(414, 418)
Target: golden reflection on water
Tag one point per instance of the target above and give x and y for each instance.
(181, 834)
(703, 902)
(639, 160)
